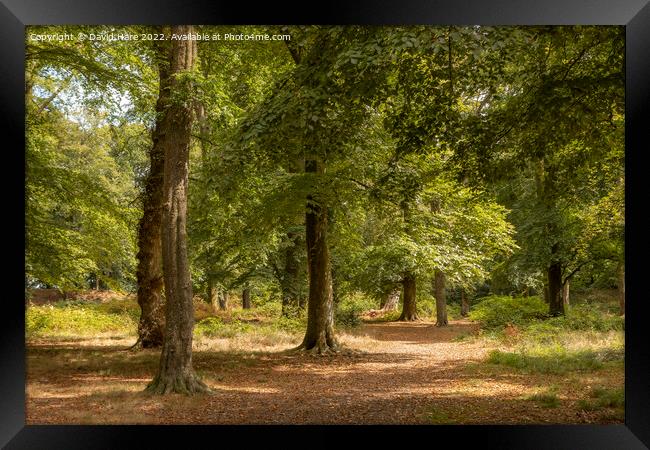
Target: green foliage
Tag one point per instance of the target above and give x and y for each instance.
(215, 327)
(496, 312)
(349, 309)
(81, 318)
(581, 317)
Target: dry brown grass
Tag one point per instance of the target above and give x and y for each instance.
(398, 373)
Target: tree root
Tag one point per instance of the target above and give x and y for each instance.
(181, 384)
(414, 318)
(319, 348)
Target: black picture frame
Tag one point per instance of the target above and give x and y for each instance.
(634, 14)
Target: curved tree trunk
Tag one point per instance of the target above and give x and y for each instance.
(175, 373)
(149, 272)
(409, 306)
(320, 320)
(441, 299)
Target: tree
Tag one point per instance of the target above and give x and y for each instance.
(149, 272)
(175, 373)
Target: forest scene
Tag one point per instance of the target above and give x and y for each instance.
(324, 224)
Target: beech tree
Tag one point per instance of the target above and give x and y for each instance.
(175, 373)
(149, 272)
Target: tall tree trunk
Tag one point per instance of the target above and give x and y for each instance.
(149, 272)
(441, 299)
(246, 298)
(545, 289)
(289, 284)
(621, 287)
(409, 306)
(223, 299)
(175, 373)
(319, 336)
(391, 300)
(212, 295)
(464, 304)
(565, 293)
(556, 305)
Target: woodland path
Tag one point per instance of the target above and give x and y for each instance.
(399, 373)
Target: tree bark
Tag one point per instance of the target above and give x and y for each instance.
(149, 272)
(319, 337)
(212, 294)
(289, 283)
(565, 293)
(464, 304)
(621, 287)
(556, 305)
(223, 299)
(246, 298)
(545, 289)
(391, 300)
(175, 373)
(441, 299)
(409, 306)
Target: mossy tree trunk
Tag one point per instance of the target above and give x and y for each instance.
(212, 295)
(223, 299)
(289, 282)
(621, 287)
(246, 298)
(149, 272)
(441, 299)
(565, 293)
(554, 274)
(390, 302)
(409, 305)
(464, 304)
(319, 337)
(175, 373)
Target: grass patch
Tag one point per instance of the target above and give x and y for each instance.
(604, 398)
(545, 399)
(73, 318)
(549, 359)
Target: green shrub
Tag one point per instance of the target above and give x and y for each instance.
(269, 309)
(78, 318)
(496, 312)
(216, 327)
(453, 311)
(290, 324)
(349, 309)
(210, 326)
(586, 317)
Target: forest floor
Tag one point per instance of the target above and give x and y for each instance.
(392, 373)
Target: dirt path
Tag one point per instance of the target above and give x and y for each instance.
(401, 373)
